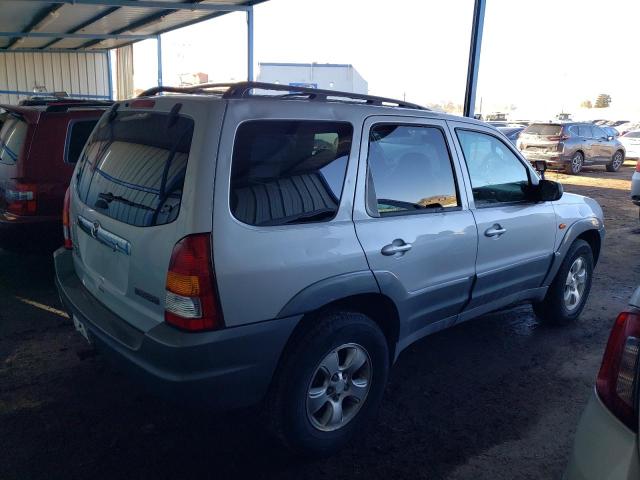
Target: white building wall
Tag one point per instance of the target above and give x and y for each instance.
(317, 75)
(80, 74)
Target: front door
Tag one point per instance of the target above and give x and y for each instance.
(516, 236)
(412, 219)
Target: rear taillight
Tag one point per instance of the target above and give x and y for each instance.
(191, 302)
(66, 223)
(617, 383)
(638, 166)
(20, 198)
(558, 138)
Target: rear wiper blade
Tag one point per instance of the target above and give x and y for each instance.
(110, 197)
(314, 216)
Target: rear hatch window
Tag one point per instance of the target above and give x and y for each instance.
(12, 136)
(543, 130)
(133, 167)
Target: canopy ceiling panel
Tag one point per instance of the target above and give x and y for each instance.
(100, 24)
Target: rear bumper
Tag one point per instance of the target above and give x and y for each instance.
(552, 158)
(17, 228)
(224, 369)
(603, 447)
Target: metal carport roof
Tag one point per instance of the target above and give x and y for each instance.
(101, 24)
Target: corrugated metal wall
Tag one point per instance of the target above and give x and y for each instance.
(80, 74)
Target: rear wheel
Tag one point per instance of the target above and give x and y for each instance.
(574, 167)
(570, 288)
(616, 162)
(329, 384)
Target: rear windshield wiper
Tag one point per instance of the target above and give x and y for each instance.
(109, 197)
(314, 216)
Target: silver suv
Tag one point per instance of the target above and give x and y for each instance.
(263, 244)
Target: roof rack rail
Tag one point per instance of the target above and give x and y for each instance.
(64, 107)
(244, 90)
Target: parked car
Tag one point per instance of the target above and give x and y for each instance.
(39, 146)
(511, 133)
(627, 127)
(606, 443)
(570, 146)
(635, 185)
(240, 248)
(631, 142)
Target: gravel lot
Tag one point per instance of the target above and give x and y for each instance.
(498, 398)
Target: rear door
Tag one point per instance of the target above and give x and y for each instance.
(516, 237)
(133, 200)
(413, 221)
(587, 143)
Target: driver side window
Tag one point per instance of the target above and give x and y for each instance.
(497, 175)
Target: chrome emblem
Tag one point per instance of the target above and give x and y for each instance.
(94, 229)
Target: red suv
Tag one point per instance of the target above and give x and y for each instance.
(40, 142)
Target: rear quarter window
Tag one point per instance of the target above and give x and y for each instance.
(133, 167)
(288, 172)
(77, 135)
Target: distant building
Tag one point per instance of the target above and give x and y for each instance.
(329, 76)
(188, 79)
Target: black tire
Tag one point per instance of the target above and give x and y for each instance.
(616, 162)
(553, 309)
(286, 405)
(575, 165)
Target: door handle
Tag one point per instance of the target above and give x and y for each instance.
(397, 247)
(495, 231)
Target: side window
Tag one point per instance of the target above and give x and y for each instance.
(585, 131)
(77, 135)
(573, 130)
(409, 171)
(598, 132)
(497, 175)
(288, 171)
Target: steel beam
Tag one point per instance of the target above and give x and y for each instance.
(474, 58)
(250, 44)
(159, 45)
(93, 36)
(151, 4)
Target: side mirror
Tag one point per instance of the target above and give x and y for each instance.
(540, 166)
(610, 137)
(548, 191)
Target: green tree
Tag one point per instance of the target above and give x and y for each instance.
(603, 100)
(586, 104)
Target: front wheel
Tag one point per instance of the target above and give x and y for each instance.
(616, 162)
(329, 384)
(574, 167)
(570, 288)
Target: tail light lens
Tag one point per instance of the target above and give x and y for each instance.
(66, 223)
(617, 382)
(21, 198)
(191, 302)
(558, 138)
(638, 166)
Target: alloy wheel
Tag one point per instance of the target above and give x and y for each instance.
(575, 284)
(339, 387)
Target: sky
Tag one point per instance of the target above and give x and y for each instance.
(537, 55)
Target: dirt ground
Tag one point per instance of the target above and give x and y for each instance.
(497, 398)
